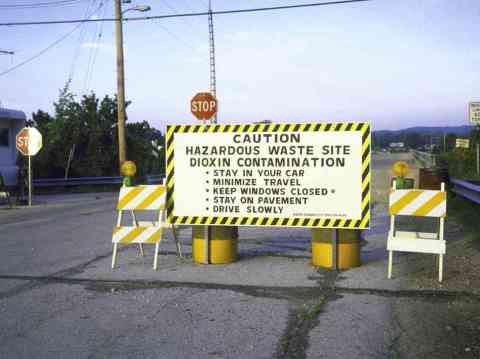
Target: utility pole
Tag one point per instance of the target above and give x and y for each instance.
(122, 150)
(213, 90)
(213, 79)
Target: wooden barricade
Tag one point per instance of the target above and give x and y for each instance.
(141, 198)
(418, 203)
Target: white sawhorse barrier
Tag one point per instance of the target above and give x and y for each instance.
(417, 203)
(142, 198)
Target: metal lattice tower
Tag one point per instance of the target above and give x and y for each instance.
(213, 79)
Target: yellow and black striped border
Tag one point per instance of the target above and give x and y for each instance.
(363, 223)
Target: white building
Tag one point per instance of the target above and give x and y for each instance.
(11, 122)
(397, 145)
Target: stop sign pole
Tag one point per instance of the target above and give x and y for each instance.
(204, 107)
(28, 142)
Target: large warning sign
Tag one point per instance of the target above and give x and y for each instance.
(304, 175)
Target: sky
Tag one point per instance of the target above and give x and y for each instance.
(393, 63)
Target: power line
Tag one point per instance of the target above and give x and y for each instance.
(40, 53)
(39, 5)
(192, 14)
(174, 10)
(96, 40)
(79, 42)
(169, 6)
(176, 37)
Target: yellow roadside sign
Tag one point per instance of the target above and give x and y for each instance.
(462, 143)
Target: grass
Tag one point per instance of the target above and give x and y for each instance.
(460, 164)
(310, 312)
(467, 214)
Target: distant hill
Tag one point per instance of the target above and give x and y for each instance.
(421, 136)
(423, 130)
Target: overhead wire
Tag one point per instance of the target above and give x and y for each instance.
(184, 15)
(79, 22)
(95, 43)
(98, 44)
(79, 42)
(167, 4)
(172, 34)
(39, 5)
(176, 37)
(41, 52)
(175, 10)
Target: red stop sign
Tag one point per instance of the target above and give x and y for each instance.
(29, 141)
(22, 141)
(203, 105)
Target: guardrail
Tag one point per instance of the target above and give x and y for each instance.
(154, 179)
(425, 158)
(466, 189)
(88, 181)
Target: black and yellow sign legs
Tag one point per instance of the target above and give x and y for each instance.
(222, 244)
(335, 248)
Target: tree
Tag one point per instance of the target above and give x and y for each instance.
(87, 129)
(140, 149)
(450, 141)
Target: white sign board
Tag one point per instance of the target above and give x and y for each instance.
(474, 112)
(312, 175)
(462, 143)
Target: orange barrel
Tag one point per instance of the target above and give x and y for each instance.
(223, 244)
(348, 248)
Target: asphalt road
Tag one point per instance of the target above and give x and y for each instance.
(59, 298)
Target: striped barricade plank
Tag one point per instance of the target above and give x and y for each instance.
(132, 234)
(422, 203)
(141, 198)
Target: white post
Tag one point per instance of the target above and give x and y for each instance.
(29, 181)
(391, 233)
(155, 259)
(441, 237)
(114, 255)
